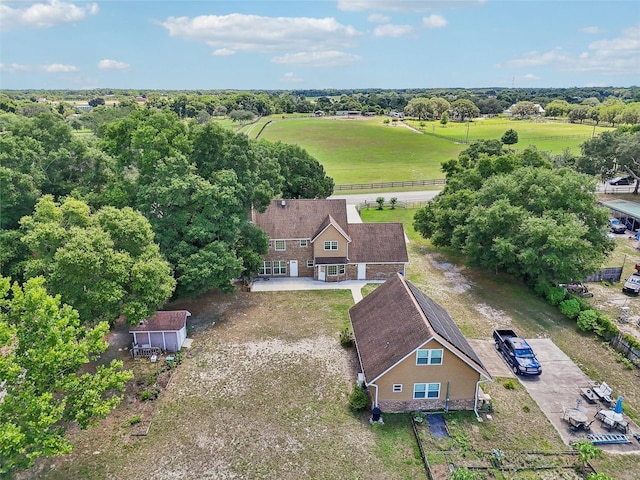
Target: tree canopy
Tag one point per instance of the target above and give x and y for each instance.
(513, 213)
(105, 265)
(43, 347)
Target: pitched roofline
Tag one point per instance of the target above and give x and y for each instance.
(451, 347)
(336, 225)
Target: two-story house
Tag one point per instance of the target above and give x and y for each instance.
(412, 355)
(312, 238)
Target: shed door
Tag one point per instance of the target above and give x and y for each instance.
(362, 271)
(293, 268)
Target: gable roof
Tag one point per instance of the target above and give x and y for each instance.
(300, 218)
(166, 321)
(377, 242)
(327, 222)
(397, 318)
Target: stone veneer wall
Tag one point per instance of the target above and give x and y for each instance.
(418, 405)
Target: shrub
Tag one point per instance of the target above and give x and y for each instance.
(393, 201)
(526, 409)
(134, 420)
(509, 384)
(571, 308)
(555, 295)
(346, 337)
(606, 328)
(358, 398)
(587, 320)
(380, 202)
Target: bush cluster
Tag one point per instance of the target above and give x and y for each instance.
(587, 318)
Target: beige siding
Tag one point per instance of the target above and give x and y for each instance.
(331, 233)
(461, 377)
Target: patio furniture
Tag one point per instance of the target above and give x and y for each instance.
(589, 395)
(603, 391)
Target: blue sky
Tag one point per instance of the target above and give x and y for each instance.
(302, 44)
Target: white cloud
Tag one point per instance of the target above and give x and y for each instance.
(58, 68)
(378, 18)
(591, 30)
(223, 52)
(14, 68)
(434, 21)
(392, 30)
(240, 32)
(610, 57)
(107, 64)
(44, 15)
(403, 5)
(330, 58)
(291, 77)
(529, 76)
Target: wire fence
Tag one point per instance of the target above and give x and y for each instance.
(373, 186)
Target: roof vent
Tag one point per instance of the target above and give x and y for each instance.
(283, 204)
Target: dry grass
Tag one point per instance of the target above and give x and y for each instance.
(263, 394)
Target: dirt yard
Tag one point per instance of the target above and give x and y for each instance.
(261, 394)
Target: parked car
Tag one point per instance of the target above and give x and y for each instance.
(632, 284)
(621, 181)
(616, 226)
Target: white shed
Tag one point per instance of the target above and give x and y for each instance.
(166, 330)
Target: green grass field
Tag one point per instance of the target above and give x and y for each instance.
(365, 151)
(369, 151)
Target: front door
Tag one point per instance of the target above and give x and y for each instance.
(321, 273)
(293, 268)
(362, 271)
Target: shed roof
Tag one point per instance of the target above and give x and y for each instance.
(163, 321)
(397, 318)
(626, 207)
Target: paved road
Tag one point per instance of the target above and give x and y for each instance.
(421, 196)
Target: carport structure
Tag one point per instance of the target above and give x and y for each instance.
(624, 209)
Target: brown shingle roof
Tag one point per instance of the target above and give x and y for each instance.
(397, 318)
(377, 242)
(300, 218)
(166, 321)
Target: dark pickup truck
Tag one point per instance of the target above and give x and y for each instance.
(517, 353)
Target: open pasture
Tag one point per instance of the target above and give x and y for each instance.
(366, 150)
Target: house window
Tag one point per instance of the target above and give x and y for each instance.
(265, 268)
(303, 243)
(331, 245)
(397, 388)
(280, 267)
(310, 263)
(333, 270)
(426, 390)
(429, 357)
(280, 246)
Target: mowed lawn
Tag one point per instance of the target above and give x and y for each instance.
(365, 151)
(548, 136)
(357, 150)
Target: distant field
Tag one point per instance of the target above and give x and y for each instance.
(365, 151)
(368, 151)
(552, 137)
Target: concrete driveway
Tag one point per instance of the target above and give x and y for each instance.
(558, 387)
